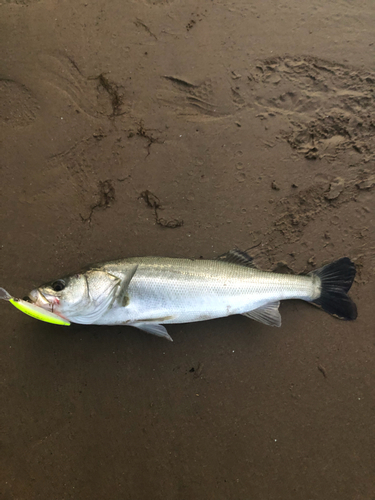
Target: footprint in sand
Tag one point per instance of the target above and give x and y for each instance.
(22, 2)
(212, 98)
(88, 94)
(157, 2)
(330, 107)
(18, 107)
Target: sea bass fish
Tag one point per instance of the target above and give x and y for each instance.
(149, 292)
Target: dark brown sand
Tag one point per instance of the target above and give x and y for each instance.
(253, 124)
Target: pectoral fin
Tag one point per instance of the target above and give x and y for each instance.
(154, 329)
(122, 296)
(268, 314)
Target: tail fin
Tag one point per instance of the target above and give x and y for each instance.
(336, 279)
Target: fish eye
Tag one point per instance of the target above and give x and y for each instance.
(58, 285)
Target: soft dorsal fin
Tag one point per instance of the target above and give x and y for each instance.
(268, 314)
(239, 257)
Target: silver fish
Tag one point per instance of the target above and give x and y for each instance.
(149, 292)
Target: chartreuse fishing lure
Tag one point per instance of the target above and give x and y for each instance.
(33, 310)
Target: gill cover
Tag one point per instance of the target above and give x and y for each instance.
(100, 294)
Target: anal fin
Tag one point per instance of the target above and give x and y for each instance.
(268, 314)
(154, 329)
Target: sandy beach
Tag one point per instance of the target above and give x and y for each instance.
(184, 129)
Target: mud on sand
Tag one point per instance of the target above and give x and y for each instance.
(254, 125)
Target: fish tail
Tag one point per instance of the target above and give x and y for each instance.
(335, 282)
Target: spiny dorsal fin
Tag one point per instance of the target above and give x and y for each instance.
(268, 314)
(238, 257)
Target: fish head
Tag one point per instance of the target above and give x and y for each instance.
(64, 296)
(80, 298)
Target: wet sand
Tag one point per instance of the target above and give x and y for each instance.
(249, 125)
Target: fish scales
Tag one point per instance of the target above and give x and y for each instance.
(193, 290)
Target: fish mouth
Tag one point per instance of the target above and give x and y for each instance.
(47, 302)
(37, 298)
